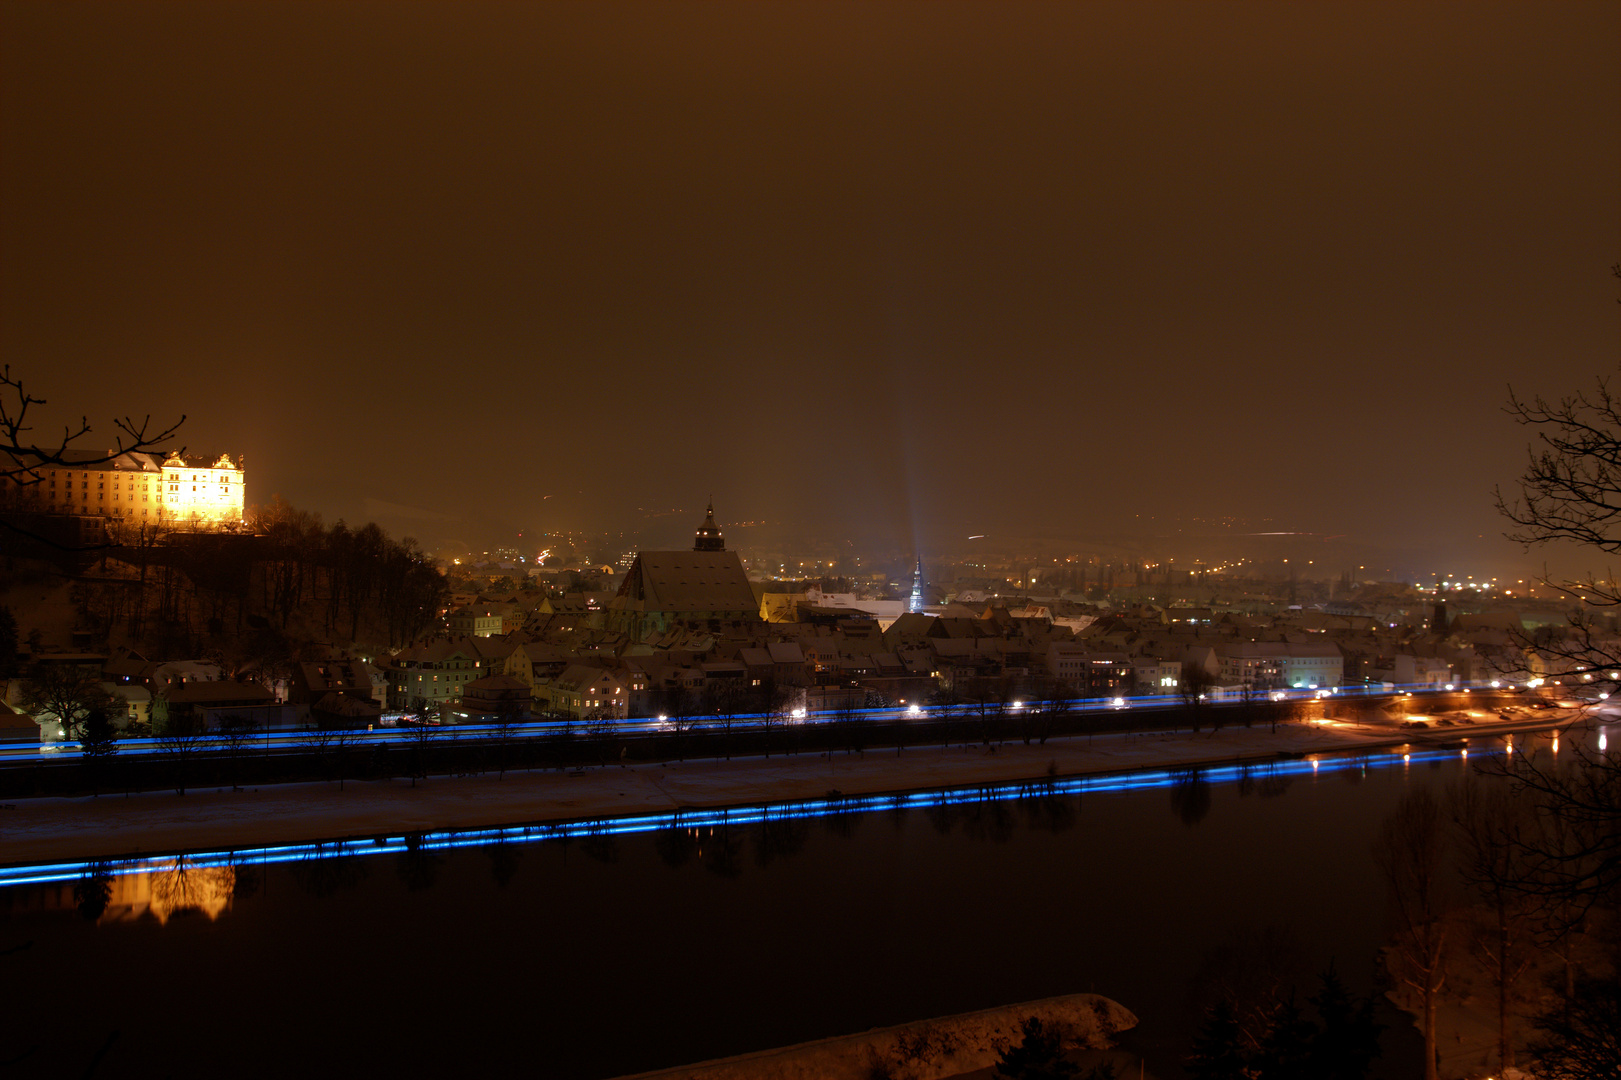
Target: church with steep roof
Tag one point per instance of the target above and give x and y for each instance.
(702, 589)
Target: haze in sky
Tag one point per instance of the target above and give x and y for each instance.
(892, 271)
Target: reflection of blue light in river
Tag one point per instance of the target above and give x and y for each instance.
(644, 941)
(41, 873)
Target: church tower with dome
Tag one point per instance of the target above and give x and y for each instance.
(704, 589)
(708, 537)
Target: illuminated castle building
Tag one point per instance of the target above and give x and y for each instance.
(195, 495)
(133, 488)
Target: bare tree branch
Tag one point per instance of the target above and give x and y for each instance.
(1570, 492)
(28, 457)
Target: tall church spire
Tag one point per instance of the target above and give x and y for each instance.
(708, 537)
(916, 603)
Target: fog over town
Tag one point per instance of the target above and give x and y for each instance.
(862, 273)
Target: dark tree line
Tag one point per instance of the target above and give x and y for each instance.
(286, 572)
(1500, 870)
(342, 577)
(1257, 1030)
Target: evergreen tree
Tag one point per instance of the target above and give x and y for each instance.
(1286, 1052)
(1349, 1040)
(1218, 1048)
(1287, 1045)
(1037, 1057)
(98, 741)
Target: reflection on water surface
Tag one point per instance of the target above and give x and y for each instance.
(618, 945)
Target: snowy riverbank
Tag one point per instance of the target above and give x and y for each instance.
(37, 830)
(950, 1046)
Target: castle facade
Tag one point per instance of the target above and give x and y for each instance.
(134, 488)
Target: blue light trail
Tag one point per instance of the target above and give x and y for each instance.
(632, 824)
(295, 740)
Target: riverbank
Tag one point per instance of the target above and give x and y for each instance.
(940, 1049)
(50, 829)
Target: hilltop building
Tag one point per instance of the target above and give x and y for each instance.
(132, 487)
(204, 496)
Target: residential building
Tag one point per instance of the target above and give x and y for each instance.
(1253, 665)
(475, 620)
(494, 699)
(1270, 665)
(584, 693)
(435, 674)
(314, 680)
(1156, 675)
(1088, 671)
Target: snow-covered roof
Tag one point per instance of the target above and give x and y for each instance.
(678, 581)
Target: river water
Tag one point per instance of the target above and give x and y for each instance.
(605, 954)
